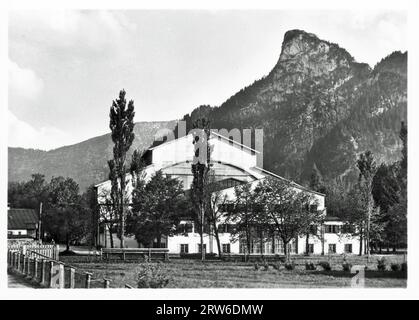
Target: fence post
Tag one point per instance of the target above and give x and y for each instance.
(72, 277)
(88, 278)
(149, 254)
(17, 261)
(43, 269)
(56, 252)
(61, 277)
(24, 264)
(28, 267)
(106, 283)
(24, 249)
(51, 275)
(35, 269)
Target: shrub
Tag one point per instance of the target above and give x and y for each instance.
(310, 266)
(346, 266)
(265, 266)
(395, 267)
(381, 264)
(152, 276)
(404, 266)
(289, 265)
(325, 265)
(276, 266)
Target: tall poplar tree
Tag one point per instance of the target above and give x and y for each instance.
(367, 169)
(122, 125)
(200, 171)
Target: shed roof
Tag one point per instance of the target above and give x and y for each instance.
(21, 219)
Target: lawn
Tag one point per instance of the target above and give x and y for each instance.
(217, 274)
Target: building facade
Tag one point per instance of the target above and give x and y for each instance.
(232, 164)
(22, 224)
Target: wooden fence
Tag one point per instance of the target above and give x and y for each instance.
(46, 250)
(51, 273)
(134, 253)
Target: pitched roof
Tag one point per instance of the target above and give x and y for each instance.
(331, 218)
(21, 219)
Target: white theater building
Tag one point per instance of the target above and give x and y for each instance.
(232, 164)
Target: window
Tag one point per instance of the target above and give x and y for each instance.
(313, 207)
(184, 248)
(185, 228)
(348, 248)
(226, 248)
(310, 248)
(347, 228)
(225, 228)
(199, 248)
(332, 229)
(332, 248)
(313, 229)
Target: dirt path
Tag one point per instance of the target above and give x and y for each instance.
(15, 281)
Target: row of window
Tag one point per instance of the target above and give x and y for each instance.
(255, 248)
(231, 207)
(184, 248)
(229, 228)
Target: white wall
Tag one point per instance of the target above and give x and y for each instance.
(17, 232)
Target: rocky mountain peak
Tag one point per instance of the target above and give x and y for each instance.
(309, 51)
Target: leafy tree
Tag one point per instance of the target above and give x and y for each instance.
(316, 184)
(242, 212)
(214, 213)
(122, 125)
(316, 180)
(137, 168)
(287, 209)
(156, 209)
(385, 186)
(335, 199)
(200, 171)
(367, 169)
(66, 219)
(89, 201)
(28, 194)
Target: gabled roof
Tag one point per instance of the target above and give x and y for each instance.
(21, 219)
(290, 181)
(214, 134)
(331, 218)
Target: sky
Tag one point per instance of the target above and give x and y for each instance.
(66, 67)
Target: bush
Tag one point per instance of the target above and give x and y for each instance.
(395, 267)
(289, 265)
(276, 266)
(404, 266)
(152, 276)
(325, 265)
(265, 266)
(381, 264)
(310, 266)
(346, 266)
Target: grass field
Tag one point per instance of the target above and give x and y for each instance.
(220, 274)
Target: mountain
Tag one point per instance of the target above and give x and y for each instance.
(85, 162)
(317, 107)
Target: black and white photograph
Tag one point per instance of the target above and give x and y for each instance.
(207, 148)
